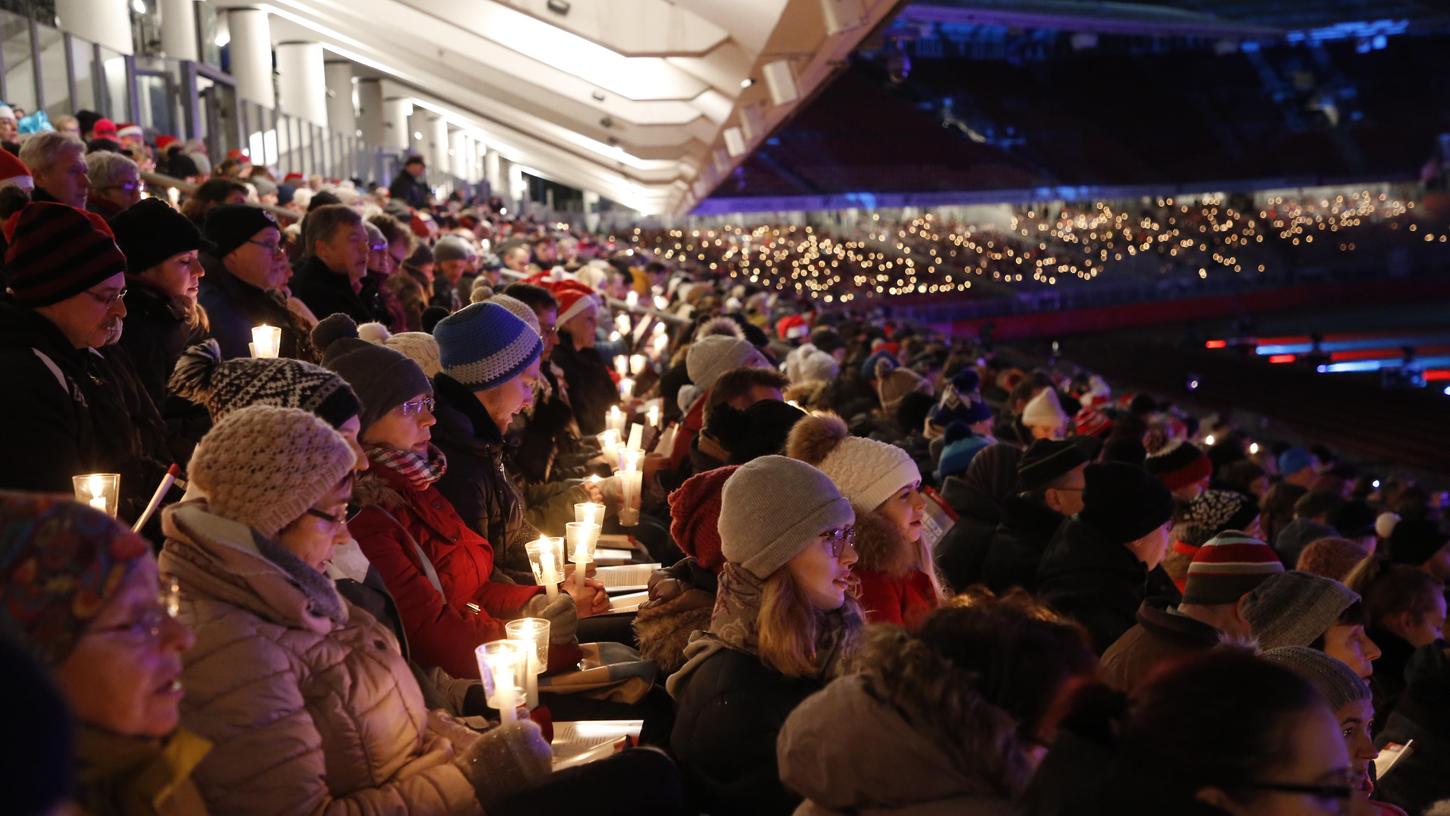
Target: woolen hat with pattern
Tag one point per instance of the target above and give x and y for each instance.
(228, 226)
(868, 472)
(264, 466)
(772, 508)
(1227, 566)
(223, 386)
(60, 564)
(893, 387)
(1123, 503)
(383, 378)
(1295, 608)
(517, 308)
(1178, 464)
(961, 401)
(419, 347)
(1047, 460)
(56, 252)
(1214, 511)
(150, 231)
(484, 345)
(695, 516)
(712, 356)
(1332, 677)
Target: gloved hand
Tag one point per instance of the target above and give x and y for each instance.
(561, 614)
(504, 761)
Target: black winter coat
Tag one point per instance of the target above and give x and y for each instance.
(961, 553)
(476, 482)
(412, 191)
(591, 389)
(726, 721)
(234, 307)
(327, 292)
(155, 335)
(549, 448)
(1423, 714)
(1018, 544)
(1097, 583)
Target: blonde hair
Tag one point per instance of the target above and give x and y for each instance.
(788, 628)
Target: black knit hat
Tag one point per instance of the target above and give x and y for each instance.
(228, 226)
(382, 378)
(1123, 503)
(57, 252)
(1415, 540)
(759, 430)
(150, 231)
(1048, 459)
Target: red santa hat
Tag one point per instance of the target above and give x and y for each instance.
(130, 129)
(574, 299)
(163, 141)
(14, 173)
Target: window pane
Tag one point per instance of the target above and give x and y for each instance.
(19, 70)
(113, 85)
(54, 82)
(81, 57)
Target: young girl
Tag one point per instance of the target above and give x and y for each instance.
(898, 580)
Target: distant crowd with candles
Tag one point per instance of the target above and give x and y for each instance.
(423, 507)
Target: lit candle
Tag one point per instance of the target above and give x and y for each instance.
(626, 388)
(173, 195)
(534, 631)
(621, 365)
(100, 491)
(582, 537)
(637, 362)
(653, 414)
(636, 437)
(546, 556)
(589, 512)
(631, 299)
(500, 665)
(615, 420)
(622, 324)
(661, 302)
(266, 341)
(629, 459)
(660, 344)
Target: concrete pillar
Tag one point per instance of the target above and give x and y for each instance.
(370, 112)
(178, 29)
(436, 136)
(341, 117)
(458, 154)
(418, 134)
(302, 81)
(493, 173)
(105, 22)
(591, 207)
(251, 53)
(396, 113)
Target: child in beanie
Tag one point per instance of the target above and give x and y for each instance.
(898, 581)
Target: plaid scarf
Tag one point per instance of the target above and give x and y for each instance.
(420, 469)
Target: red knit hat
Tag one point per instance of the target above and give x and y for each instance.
(1227, 567)
(695, 516)
(14, 172)
(57, 252)
(1092, 422)
(1178, 464)
(292, 177)
(792, 327)
(164, 141)
(103, 129)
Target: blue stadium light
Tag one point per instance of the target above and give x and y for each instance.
(1352, 366)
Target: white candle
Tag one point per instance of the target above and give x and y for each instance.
(653, 415)
(636, 436)
(622, 324)
(589, 512)
(630, 482)
(100, 491)
(661, 302)
(632, 298)
(659, 344)
(615, 421)
(545, 558)
(266, 341)
(626, 388)
(621, 365)
(551, 573)
(535, 632)
(629, 459)
(637, 362)
(500, 666)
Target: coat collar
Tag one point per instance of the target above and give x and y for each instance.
(136, 774)
(1160, 620)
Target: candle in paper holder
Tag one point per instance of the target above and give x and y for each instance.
(621, 365)
(622, 324)
(615, 420)
(502, 665)
(659, 344)
(546, 558)
(631, 481)
(582, 537)
(101, 491)
(535, 631)
(266, 341)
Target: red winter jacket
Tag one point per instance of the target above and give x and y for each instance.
(442, 630)
(903, 600)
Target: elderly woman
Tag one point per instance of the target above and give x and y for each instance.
(115, 183)
(310, 705)
(82, 593)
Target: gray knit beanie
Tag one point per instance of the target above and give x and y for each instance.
(263, 466)
(382, 377)
(712, 356)
(772, 507)
(1295, 608)
(1334, 679)
(452, 248)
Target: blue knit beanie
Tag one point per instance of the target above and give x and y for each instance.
(485, 345)
(956, 456)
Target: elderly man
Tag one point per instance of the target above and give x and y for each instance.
(336, 246)
(246, 271)
(67, 285)
(115, 183)
(58, 164)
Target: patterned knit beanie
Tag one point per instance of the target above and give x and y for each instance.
(223, 386)
(867, 472)
(771, 508)
(263, 466)
(519, 309)
(60, 563)
(1333, 678)
(961, 401)
(484, 345)
(56, 252)
(1227, 567)
(419, 347)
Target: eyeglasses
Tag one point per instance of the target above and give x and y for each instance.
(838, 539)
(109, 301)
(377, 247)
(337, 519)
(127, 187)
(424, 404)
(1325, 792)
(150, 621)
(275, 249)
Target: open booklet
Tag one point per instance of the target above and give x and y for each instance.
(625, 577)
(629, 602)
(577, 743)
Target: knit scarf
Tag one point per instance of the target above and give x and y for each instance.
(735, 624)
(421, 470)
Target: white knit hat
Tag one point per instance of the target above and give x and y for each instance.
(810, 363)
(420, 347)
(373, 332)
(263, 466)
(1045, 410)
(868, 472)
(712, 356)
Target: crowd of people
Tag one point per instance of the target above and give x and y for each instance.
(899, 572)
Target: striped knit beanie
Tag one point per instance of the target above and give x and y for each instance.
(1295, 608)
(57, 252)
(484, 345)
(1227, 567)
(1178, 464)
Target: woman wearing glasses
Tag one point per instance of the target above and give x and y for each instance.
(306, 698)
(437, 570)
(898, 579)
(782, 627)
(83, 595)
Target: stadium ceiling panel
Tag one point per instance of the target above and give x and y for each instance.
(646, 102)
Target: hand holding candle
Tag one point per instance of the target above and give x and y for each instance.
(501, 665)
(582, 538)
(536, 632)
(546, 558)
(631, 480)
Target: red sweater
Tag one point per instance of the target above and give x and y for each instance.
(442, 630)
(903, 601)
